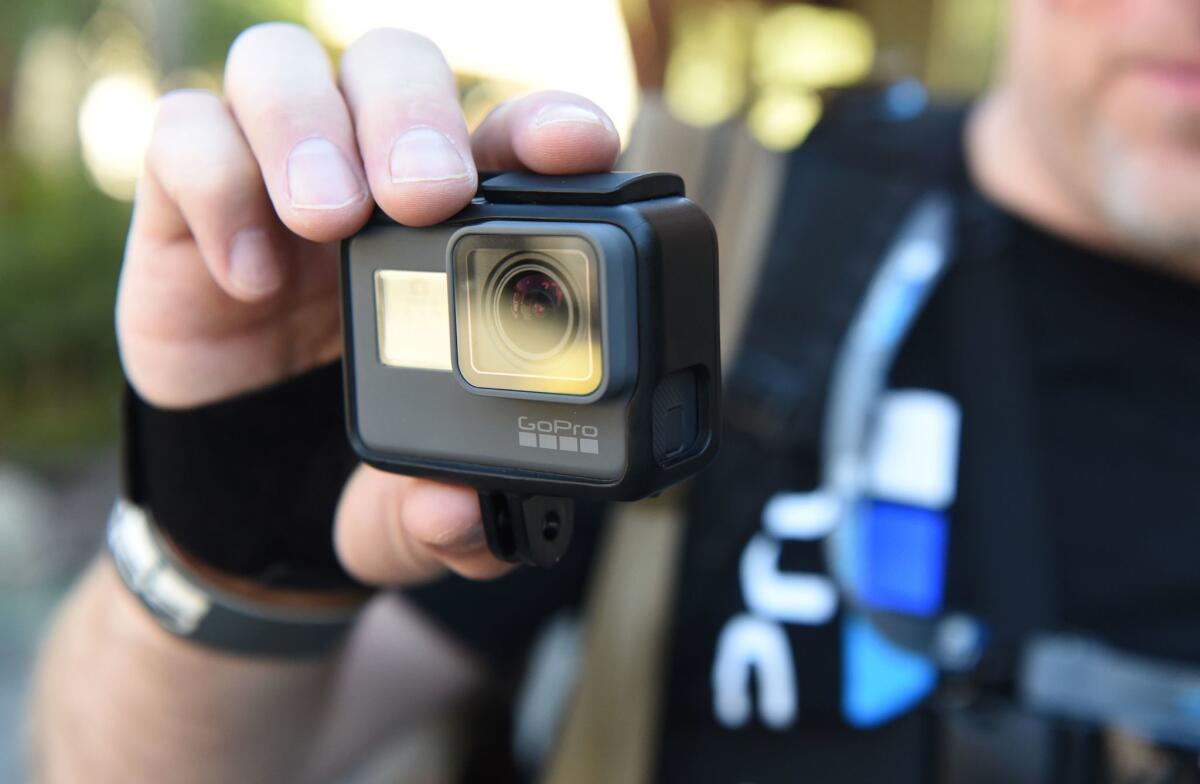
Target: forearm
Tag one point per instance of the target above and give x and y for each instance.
(117, 699)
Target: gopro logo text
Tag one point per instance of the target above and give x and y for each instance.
(558, 434)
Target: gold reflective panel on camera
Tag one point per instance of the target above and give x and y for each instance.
(528, 320)
(414, 319)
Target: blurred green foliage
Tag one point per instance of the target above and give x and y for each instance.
(61, 239)
(61, 243)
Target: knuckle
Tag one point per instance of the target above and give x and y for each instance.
(265, 36)
(187, 99)
(220, 181)
(182, 106)
(409, 551)
(396, 513)
(284, 114)
(175, 113)
(392, 38)
(269, 52)
(555, 96)
(195, 181)
(547, 97)
(393, 47)
(424, 531)
(344, 547)
(498, 113)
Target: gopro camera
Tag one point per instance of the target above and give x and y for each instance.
(555, 340)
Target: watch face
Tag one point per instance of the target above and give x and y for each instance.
(176, 603)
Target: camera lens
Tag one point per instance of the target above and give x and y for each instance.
(534, 310)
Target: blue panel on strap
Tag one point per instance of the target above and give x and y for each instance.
(900, 558)
(879, 679)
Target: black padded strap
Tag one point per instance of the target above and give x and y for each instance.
(815, 276)
(1010, 543)
(247, 486)
(811, 285)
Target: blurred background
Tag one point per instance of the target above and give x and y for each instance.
(78, 84)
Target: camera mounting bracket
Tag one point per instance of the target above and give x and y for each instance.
(527, 529)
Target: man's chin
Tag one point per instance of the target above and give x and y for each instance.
(1152, 202)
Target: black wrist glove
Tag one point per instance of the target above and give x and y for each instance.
(247, 487)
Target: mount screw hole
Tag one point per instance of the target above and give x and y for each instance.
(550, 526)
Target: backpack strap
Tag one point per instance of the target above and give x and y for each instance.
(1009, 544)
(860, 173)
(813, 286)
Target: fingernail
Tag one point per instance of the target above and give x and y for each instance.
(425, 154)
(567, 113)
(253, 268)
(320, 177)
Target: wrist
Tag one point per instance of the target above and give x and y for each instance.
(248, 486)
(226, 536)
(156, 707)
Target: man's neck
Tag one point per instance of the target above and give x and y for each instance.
(1008, 168)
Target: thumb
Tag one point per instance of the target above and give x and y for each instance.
(398, 530)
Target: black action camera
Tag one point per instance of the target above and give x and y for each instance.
(557, 339)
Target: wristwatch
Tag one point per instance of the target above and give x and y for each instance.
(237, 617)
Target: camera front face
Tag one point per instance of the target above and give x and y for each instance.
(533, 349)
(524, 310)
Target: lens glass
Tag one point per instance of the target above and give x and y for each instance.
(534, 311)
(527, 313)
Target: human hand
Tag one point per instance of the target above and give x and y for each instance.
(229, 282)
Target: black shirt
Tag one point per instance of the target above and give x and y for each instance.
(1115, 349)
(1109, 376)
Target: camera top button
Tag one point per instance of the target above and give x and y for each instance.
(603, 189)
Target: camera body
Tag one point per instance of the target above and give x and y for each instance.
(558, 337)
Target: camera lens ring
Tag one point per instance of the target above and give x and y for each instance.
(530, 283)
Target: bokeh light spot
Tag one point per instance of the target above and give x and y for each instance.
(115, 120)
(782, 117)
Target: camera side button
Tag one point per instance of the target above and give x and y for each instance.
(673, 430)
(676, 416)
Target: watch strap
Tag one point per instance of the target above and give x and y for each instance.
(197, 609)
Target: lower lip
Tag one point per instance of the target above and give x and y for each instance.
(1181, 82)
